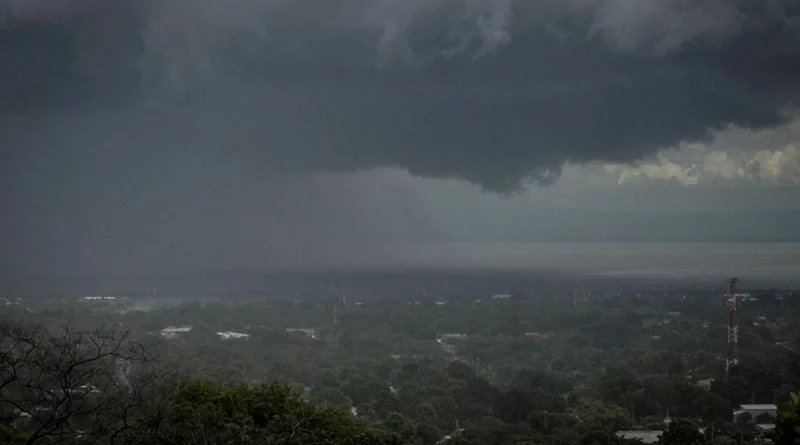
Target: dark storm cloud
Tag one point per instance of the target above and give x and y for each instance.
(492, 91)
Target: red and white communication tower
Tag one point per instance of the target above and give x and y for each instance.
(732, 302)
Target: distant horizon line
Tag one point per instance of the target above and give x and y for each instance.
(470, 259)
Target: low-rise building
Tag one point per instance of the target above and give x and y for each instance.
(171, 332)
(705, 383)
(453, 336)
(755, 411)
(228, 335)
(646, 436)
(310, 332)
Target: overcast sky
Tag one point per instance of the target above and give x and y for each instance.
(141, 136)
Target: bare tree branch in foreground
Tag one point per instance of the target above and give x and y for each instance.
(76, 385)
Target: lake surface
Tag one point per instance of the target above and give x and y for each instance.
(459, 268)
(668, 260)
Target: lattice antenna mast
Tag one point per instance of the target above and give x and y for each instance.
(733, 305)
(335, 314)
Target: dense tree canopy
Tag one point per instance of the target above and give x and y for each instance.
(421, 370)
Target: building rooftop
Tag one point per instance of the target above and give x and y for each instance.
(173, 331)
(646, 436)
(763, 406)
(227, 335)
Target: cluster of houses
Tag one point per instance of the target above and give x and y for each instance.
(172, 332)
(754, 415)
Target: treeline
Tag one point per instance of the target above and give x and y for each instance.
(421, 369)
(98, 386)
(93, 386)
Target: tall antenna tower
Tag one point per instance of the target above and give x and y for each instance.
(336, 302)
(732, 303)
(339, 304)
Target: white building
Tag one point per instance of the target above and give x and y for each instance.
(311, 332)
(453, 336)
(173, 331)
(646, 436)
(756, 410)
(228, 335)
